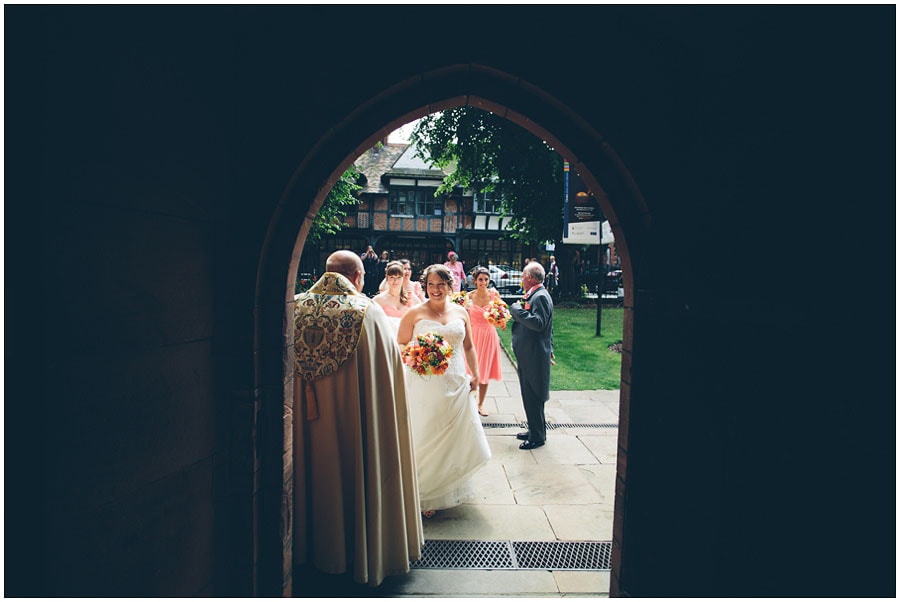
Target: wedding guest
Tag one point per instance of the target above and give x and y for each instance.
(552, 275)
(356, 498)
(456, 269)
(378, 274)
(370, 264)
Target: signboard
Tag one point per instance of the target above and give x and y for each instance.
(582, 217)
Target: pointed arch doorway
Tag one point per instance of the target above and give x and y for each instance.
(457, 85)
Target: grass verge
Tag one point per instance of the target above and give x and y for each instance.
(583, 360)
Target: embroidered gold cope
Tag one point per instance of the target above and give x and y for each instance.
(328, 320)
(356, 496)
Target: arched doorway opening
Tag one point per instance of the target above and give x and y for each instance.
(457, 85)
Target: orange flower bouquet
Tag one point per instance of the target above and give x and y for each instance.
(497, 313)
(427, 354)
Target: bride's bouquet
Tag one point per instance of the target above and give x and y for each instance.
(497, 313)
(427, 354)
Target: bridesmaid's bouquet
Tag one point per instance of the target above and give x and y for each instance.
(427, 354)
(497, 313)
(460, 298)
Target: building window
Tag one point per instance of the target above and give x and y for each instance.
(486, 202)
(415, 201)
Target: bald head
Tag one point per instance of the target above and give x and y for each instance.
(535, 270)
(347, 263)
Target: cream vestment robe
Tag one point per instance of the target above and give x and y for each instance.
(356, 499)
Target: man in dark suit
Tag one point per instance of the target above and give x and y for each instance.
(532, 342)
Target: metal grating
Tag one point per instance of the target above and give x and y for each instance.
(563, 555)
(551, 425)
(513, 555)
(456, 554)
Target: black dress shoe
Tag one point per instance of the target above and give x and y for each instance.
(522, 436)
(531, 444)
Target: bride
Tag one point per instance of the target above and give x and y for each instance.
(448, 440)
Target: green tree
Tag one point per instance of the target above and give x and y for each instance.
(330, 217)
(487, 153)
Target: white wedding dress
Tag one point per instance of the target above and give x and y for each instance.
(448, 440)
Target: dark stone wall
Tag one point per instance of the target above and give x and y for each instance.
(149, 162)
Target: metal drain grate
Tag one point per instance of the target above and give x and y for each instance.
(565, 555)
(579, 425)
(455, 554)
(551, 425)
(513, 555)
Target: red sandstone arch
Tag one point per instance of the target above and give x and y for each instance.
(457, 85)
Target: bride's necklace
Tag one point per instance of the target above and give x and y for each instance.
(439, 313)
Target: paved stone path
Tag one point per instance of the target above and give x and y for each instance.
(563, 491)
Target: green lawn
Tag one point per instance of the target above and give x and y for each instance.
(583, 361)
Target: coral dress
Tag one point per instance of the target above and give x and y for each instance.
(395, 314)
(487, 345)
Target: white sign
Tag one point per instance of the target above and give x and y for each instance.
(583, 233)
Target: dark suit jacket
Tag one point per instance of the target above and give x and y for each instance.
(532, 339)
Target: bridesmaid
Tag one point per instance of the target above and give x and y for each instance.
(484, 335)
(395, 300)
(412, 287)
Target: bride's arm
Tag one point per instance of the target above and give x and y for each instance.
(469, 351)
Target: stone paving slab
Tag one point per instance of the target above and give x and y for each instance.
(505, 450)
(602, 477)
(586, 522)
(589, 411)
(582, 582)
(557, 415)
(603, 447)
(490, 522)
(560, 395)
(511, 406)
(564, 449)
(476, 583)
(552, 484)
(491, 486)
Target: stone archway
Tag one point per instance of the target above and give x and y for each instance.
(457, 85)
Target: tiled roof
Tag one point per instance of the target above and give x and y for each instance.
(376, 161)
(397, 160)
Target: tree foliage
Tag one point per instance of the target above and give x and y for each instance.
(481, 151)
(330, 217)
(487, 153)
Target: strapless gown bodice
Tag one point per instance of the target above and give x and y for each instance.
(454, 332)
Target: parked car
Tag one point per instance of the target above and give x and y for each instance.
(504, 278)
(611, 282)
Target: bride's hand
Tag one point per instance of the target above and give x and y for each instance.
(473, 383)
